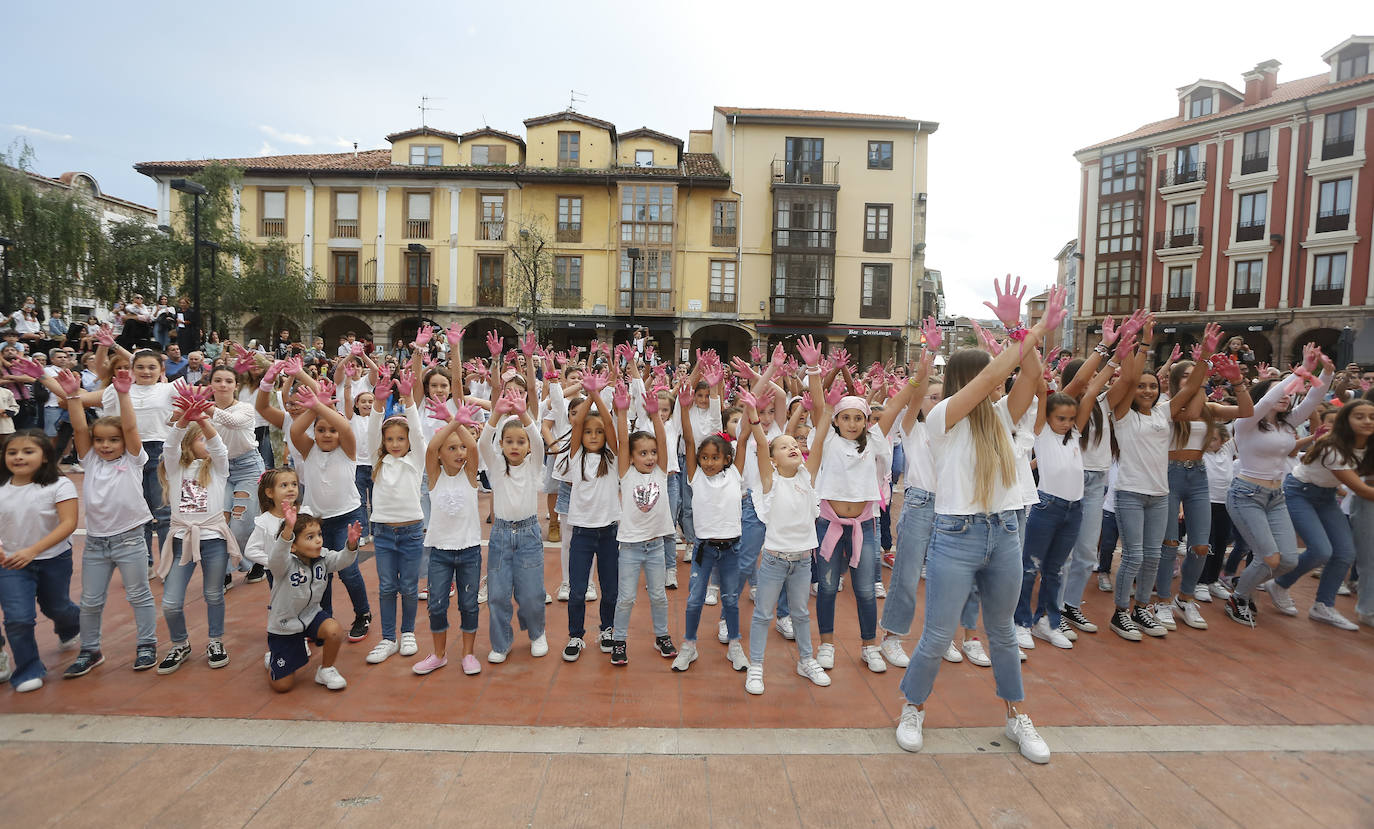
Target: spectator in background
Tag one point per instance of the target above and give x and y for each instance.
(27, 325)
(175, 366)
(283, 350)
(57, 327)
(212, 347)
(1237, 350)
(164, 322)
(316, 353)
(188, 326)
(196, 368)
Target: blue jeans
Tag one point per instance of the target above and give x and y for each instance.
(152, 496)
(425, 509)
(398, 571)
(336, 538)
(709, 557)
(885, 515)
(1051, 532)
(99, 559)
(264, 436)
(969, 550)
(684, 516)
(1362, 524)
(362, 476)
(913, 539)
(675, 482)
(461, 567)
(863, 577)
(46, 583)
(51, 415)
(1187, 486)
(588, 543)
(1106, 545)
(752, 532)
(778, 576)
(515, 568)
(244, 472)
(1317, 517)
(214, 561)
(1078, 569)
(634, 557)
(1142, 520)
(1260, 516)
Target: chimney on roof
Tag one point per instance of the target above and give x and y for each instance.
(1261, 81)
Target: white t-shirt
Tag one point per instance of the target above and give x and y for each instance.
(1097, 456)
(705, 422)
(515, 491)
(672, 436)
(1318, 473)
(235, 426)
(1060, 464)
(595, 500)
(644, 512)
(453, 521)
(1109, 499)
(955, 459)
(362, 448)
(185, 495)
(1023, 439)
(716, 503)
(265, 527)
(331, 487)
(152, 408)
(29, 512)
(1144, 440)
(848, 474)
(249, 395)
(794, 503)
(1220, 468)
(54, 400)
(920, 463)
(752, 482)
(113, 493)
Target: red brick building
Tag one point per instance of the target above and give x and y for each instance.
(1253, 209)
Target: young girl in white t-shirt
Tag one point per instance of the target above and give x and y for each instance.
(38, 511)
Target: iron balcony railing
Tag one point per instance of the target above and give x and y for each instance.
(796, 171)
(1175, 301)
(370, 293)
(1183, 237)
(1183, 174)
(1254, 163)
(1250, 231)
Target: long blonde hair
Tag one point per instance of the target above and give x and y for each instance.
(993, 453)
(381, 450)
(188, 457)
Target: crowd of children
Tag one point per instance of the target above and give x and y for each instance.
(1020, 472)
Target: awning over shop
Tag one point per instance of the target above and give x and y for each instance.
(831, 330)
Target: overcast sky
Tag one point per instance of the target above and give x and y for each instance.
(98, 86)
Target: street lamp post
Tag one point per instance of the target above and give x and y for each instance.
(196, 190)
(7, 245)
(633, 254)
(416, 247)
(214, 257)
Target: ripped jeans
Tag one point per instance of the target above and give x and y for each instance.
(241, 498)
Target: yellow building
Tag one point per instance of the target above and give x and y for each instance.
(771, 224)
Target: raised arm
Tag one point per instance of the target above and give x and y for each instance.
(977, 390)
(689, 440)
(1178, 404)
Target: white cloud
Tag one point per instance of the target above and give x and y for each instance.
(35, 131)
(267, 149)
(288, 137)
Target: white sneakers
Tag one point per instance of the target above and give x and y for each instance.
(783, 625)
(1021, 731)
(723, 633)
(1218, 591)
(1042, 630)
(563, 591)
(686, 655)
(825, 655)
(1331, 616)
(408, 645)
(1023, 638)
(894, 652)
(1165, 614)
(879, 592)
(738, 659)
(712, 595)
(383, 651)
(909, 727)
(5, 670)
(29, 685)
(496, 657)
(1202, 594)
(873, 657)
(1189, 612)
(330, 678)
(973, 651)
(812, 670)
(482, 591)
(753, 680)
(952, 654)
(540, 646)
(1279, 596)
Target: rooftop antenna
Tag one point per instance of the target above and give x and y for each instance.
(573, 98)
(425, 107)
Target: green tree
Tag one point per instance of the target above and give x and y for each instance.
(531, 281)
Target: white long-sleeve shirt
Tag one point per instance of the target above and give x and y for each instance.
(1264, 453)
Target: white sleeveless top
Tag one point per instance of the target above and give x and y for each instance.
(453, 513)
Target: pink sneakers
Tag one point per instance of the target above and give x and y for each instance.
(429, 664)
(471, 665)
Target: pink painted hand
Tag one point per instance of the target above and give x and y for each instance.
(1008, 305)
(810, 353)
(122, 382)
(437, 408)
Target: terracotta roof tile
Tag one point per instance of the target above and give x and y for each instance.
(488, 131)
(1283, 93)
(645, 132)
(701, 164)
(570, 115)
(396, 136)
(306, 162)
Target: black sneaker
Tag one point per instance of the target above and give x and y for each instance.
(604, 641)
(215, 654)
(1239, 610)
(1122, 625)
(1076, 618)
(85, 662)
(666, 648)
(256, 574)
(145, 657)
(174, 658)
(573, 649)
(618, 654)
(228, 582)
(361, 622)
(1148, 624)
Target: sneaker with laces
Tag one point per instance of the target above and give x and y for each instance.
(753, 680)
(228, 582)
(712, 595)
(872, 656)
(361, 623)
(1023, 638)
(1076, 618)
(86, 661)
(496, 657)
(1042, 630)
(909, 725)
(1189, 613)
(1164, 614)
(382, 651)
(1218, 591)
(879, 592)
(1067, 629)
(70, 644)
(1238, 610)
(812, 670)
(664, 645)
(215, 654)
(591, 592)
(145, 657)
(482, 591)
(330, 678)
(548, 599)
(670, 582)
(1148, 624)
(894, 652)
(783, 625)
(5, 670)
(723, 632)
(1104, 583)
(1202, 594)
(563, 592)
(620, 655)
(1329, 615)
(256, 573)
(429, 664)
(1344, 589)
(539, 647)
(1125, 627)
(739, 660)
(408, 646)
(686, 655)
(1021, 731)
(603, 640)
(753, 595)
(825, 654)
(471, 666)
(973, 651)
(1279, 596)
(952, 654)
(573, 649)
(175, 658)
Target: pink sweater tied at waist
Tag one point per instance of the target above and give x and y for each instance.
(836, 529)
